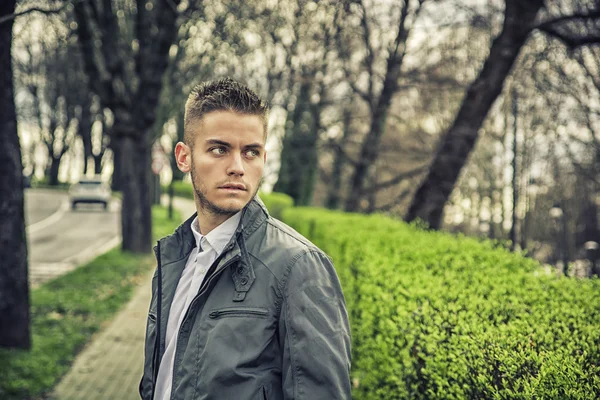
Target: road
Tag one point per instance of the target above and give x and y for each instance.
(60, 239)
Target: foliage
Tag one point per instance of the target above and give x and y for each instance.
(436, 316)
(68, 310)
(275, 202)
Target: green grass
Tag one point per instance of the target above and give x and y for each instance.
(66, 311)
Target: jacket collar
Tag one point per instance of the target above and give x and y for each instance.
(179, 245)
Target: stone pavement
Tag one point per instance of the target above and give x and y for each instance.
(110, 367)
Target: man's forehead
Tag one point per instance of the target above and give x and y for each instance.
(218, 123)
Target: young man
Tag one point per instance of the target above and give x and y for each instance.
(243, 307)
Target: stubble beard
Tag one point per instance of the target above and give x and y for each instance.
(211, 207)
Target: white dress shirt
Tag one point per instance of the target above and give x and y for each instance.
(207, 249)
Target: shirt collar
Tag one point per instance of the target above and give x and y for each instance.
(218, 237)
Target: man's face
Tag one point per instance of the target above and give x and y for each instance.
(226, 162)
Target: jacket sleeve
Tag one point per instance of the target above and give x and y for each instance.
(314, 331)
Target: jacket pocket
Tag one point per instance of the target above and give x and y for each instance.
(239, 312)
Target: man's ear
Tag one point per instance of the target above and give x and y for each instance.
(183, 156)
(265, 156)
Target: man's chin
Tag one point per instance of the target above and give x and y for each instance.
(231, 206)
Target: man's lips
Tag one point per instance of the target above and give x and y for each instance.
(233, 186)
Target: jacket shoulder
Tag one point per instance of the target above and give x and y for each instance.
(279, 245)
(285, 235)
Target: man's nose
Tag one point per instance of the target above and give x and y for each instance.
(236, 166)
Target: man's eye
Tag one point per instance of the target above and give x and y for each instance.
(252, 153)
(218, 151)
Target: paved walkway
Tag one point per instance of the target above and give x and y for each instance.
(110, 367)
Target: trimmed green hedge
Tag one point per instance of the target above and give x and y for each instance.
(275, 202)
(436, 316)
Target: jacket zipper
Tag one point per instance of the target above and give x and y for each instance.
(205, 284)
(156, 355)
(237, 311)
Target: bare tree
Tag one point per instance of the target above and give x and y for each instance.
(14, 288)
(456, 144)
(125, 55)
(299, 154)
(378, 101)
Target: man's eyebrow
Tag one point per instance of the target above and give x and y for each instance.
(217, 141)
(254, 146)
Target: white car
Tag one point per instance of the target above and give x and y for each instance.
(89, 190)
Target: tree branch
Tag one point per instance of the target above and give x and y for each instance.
(568, 18)
(337, 147)
(397, 179)
(343, 54)
(399, 199)
(369, 58)
(551, 28)
(46, 11)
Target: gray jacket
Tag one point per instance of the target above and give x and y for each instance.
(269, 321)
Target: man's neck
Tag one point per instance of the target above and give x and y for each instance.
(208, 221)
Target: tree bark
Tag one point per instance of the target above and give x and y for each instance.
(53, 170)
(135, 185)
(14, 288)
(458, 142)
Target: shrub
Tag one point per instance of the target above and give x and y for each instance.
(436, 316)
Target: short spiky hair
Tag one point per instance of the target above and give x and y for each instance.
(221, 95)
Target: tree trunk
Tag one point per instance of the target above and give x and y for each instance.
(116, 183)
(456, 145)
(14, 288)
(297, 144)
(53, 171)
(368, 154)
(176, 173)
(515, 177)
(136, 215)
(334, 191)
(85, 132)
(492, 233)
(97, 163)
